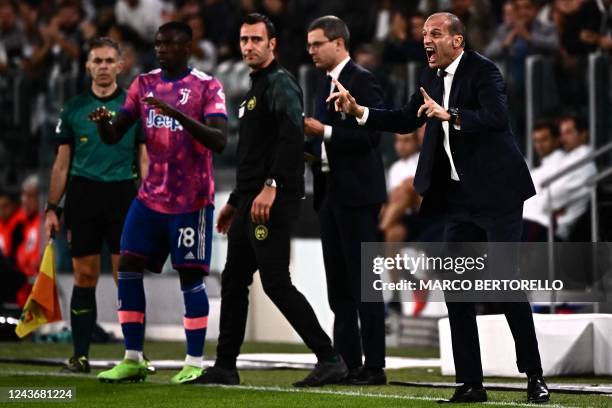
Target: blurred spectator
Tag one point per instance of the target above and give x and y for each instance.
(61, 40)
(11, 225)
(383, 19)
(368, 57)
(586, 27)
(131, 66)
(569, 197)
(13, 41)
(397, 215)
(142, 17)
(546, 144)
(405, 39)
(203, 51)
(550, 14)
(290, 33)
(11, 233)
(574, 139)
(28, 253)
(217, 14)
(521, 34)
(476, 15)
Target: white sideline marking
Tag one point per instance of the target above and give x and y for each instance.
(286, 390)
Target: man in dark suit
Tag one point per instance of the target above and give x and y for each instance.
(470, 171)
(349, 188)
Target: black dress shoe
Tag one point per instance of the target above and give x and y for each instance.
(325, 372)
(368, 376)
(537, 391)
(466, 393)
(218, 375)
(351, 376)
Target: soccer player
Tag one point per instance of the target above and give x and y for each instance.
(99, 184)
(184, 118)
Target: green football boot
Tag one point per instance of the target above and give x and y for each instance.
(187, 375)
(125, 371)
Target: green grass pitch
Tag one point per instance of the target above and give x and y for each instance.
(263, 388)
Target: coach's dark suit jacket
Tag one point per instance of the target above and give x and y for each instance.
(357, 175)
(484, 150)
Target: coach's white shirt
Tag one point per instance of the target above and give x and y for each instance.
(448, 83)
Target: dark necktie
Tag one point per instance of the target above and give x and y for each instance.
(322, 113)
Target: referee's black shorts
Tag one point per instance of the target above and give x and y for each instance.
(95, 212)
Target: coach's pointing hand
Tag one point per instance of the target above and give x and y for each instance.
(431, 108)
(344, 101)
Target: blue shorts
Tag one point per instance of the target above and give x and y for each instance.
(153, 235)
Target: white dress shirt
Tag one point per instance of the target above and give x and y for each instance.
(448, 83)
(328, 130)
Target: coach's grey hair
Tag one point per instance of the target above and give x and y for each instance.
(455, 25)
(333, 27)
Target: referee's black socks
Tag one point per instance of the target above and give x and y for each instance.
(83, 314)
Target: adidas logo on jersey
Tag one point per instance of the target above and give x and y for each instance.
(162, 121)
(189, 255)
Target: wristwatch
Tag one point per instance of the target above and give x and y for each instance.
(454, 115)
(270, 182)
(51, 207)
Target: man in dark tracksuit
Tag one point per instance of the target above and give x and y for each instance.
(262, 210)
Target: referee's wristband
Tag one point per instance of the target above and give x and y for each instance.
(51, 207)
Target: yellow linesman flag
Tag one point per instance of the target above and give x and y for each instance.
(42, 305)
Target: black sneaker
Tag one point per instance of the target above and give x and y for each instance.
(325, 373)
(77, 365)
(218, 375)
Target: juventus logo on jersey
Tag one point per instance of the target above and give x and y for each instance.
(184, 95)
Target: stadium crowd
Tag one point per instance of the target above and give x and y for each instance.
(43, 41)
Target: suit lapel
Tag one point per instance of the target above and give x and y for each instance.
(459, 73)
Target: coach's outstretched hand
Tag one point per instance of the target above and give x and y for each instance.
(100, 114)
(225, 218)
(344, 101)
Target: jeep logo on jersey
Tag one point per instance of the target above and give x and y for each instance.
(162, 121)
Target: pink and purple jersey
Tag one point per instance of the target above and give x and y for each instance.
(180, 178)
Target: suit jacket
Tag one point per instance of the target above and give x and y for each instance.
(488, 161)
(357, 175)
